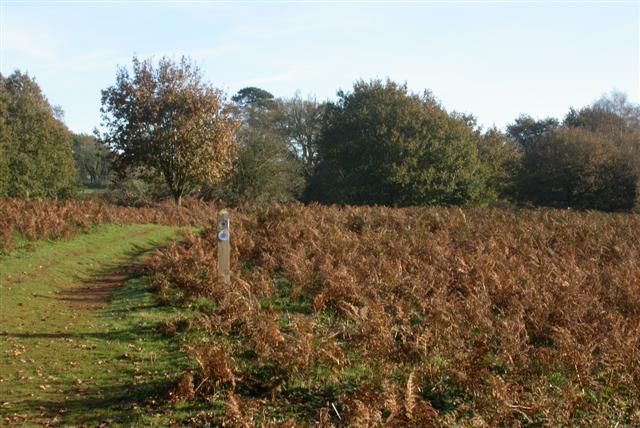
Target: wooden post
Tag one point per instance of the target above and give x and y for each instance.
(224, 247)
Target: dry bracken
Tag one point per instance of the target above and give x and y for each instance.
(418, 317)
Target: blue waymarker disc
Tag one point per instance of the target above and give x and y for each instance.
(223, 235)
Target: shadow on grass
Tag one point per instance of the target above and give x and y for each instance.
(117, 393)
(124, 335)
(98, 289)
(112, 404)
(133, 385)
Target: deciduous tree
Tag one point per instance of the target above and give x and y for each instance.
(300, 122)
(525, 130)
(265, 170)
(576, 167)
(382, 144)
(34, 143)
(168, 119)
(93, 159)
(501, 162)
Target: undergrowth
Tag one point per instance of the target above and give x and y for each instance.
(412, 317)
(34, 219)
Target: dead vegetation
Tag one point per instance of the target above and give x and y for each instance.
(414, 317)
(45, 219)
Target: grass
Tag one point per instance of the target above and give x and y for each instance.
(420, 317)
(68, 359)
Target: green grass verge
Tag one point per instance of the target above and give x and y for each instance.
(69, 359)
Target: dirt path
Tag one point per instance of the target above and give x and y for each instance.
(97, 293)
(79, 342)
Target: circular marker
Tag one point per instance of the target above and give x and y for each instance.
(223, 235)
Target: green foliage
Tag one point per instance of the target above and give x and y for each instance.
(131, 191)
(265, 170)
(383, 145)
(34, 144)
(501, 162)
(525, 130)
(251, 97)
(591, 161)
(5, 140)
(575, 167)
(167, 120)
(93, 160)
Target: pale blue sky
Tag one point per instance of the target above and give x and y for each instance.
(493, 59)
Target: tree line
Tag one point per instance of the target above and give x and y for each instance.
(167, 132)
(39, 156)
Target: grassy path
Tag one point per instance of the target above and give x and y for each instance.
(79, 342)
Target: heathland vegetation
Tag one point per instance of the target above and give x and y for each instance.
(342, 316)
(411, 317)
(393, 263)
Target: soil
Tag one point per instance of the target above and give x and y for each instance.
(96, 292)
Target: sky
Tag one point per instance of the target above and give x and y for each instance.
(495, 60)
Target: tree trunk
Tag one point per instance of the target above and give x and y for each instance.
(178, 199)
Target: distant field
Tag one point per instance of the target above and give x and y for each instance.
(413, 317)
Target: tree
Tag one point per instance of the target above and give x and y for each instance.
(526, 130)
(6, 139)
(501, 162)
(252, 97)
(35, 144)
(618, 104)
(590, 161)
(576, 167)
(93, 159)
(383, 145)
(613, 116)
(168, 120)
(300, 122)
(265, 170)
